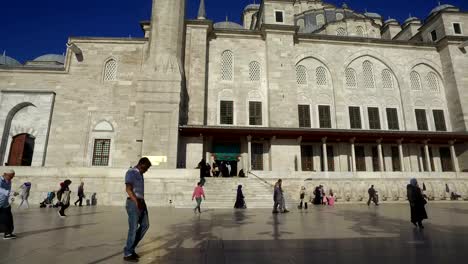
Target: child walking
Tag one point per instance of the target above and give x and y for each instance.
(198, 193)
(24, 194)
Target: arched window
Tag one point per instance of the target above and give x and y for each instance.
(110, 70)
(368, 74)
(350, 78)
(101, 140)
(360, 31)
(321, 75)
(339, 16)
(254, 71)
(341, 32)
(227, 61)
(387, 79)
(320, 20)
(415, 81)
(432, 82)
(301, 75)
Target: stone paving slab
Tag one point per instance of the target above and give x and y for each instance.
(340, 234)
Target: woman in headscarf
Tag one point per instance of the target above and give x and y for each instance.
(240, 203)
(417, 203)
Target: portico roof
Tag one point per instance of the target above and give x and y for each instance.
(316, 134)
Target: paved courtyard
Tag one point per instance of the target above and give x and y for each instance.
(342, 234)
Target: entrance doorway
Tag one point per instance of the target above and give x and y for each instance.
(21, 150)
(226, 158)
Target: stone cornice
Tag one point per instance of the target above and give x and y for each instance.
(28, 91)
(108, 40)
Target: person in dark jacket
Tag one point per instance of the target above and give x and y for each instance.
(81, 194)
(318, 195)
(63, 195)
(417, 203)
(240, 203)
(372, 196)
(202, 167)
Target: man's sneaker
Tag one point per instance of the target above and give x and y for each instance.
(9, 236)
(274, 212)
(136, 255)
(61, 215)
(131, 258)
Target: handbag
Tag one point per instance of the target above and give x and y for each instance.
(65, 197)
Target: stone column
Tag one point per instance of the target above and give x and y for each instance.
(428, 157)
(249, 152)
(380, 153)
(353, 155)
(324, 153)
(456, 166)
(400, 152)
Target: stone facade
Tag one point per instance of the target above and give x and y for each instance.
(168, 95)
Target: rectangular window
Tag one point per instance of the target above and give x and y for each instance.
(355, 117)
(392, 119)
(324, 116)
(227, 113)
(423, 160)
(374, 118)
(439, 120)
(257, 156)
(304, 115)
(375, 159)
(101, 152)
(446, 159)
(307, 158)
(255, 113)
(396, 165)
(457, 29)
(279, 16)
(360, 158)
(434, 35)
(421, 119)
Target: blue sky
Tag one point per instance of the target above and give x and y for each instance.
(30, 28)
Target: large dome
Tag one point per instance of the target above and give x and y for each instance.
(51, 58)
(442, 7)
(227, 25)
(8, 61)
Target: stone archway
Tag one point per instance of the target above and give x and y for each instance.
(21, 150)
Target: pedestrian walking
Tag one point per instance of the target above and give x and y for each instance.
(302, 195)
(63, 196)
(240, 202)
(81, 194)
(417, 202)
(278, 198)
(6, 217)
(198, 193)
(24, 194)
(202, 167)
(138, 221)
(372, 196)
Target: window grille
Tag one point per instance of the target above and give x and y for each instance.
(301, 75)
(375, 159)
(446, 159)
(257, 156)
(226, 112)
(421, 119)
(392, 119)
(415, 81)
(387, 79)
(320, 20)
(279, 16)
(304, 115)
(321, 75)
(255, 113)
(227, 61)
(101, 152)
(341, 32)
(254, 71)
(351, 78)
(110, 70)
(355, 117)
(439, 120)
(374, 118)
(432, 82)
(324, 116)
(360, 158)
(307, 158)
(360, 31)
(368, 74)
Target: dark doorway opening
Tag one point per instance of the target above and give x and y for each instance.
(21, 150)
(226, 156)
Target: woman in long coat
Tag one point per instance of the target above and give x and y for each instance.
(417, 203)
(240, 203)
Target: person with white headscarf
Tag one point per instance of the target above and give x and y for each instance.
(417, 203)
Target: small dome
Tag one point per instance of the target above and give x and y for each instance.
(392, 21)
(8, 61)
(227, 25)
(373, 15)
(252, 7)
(51, 58)
(442, 7)
(412, 19)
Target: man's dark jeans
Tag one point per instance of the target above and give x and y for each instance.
(6, 220)
(138, 224)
